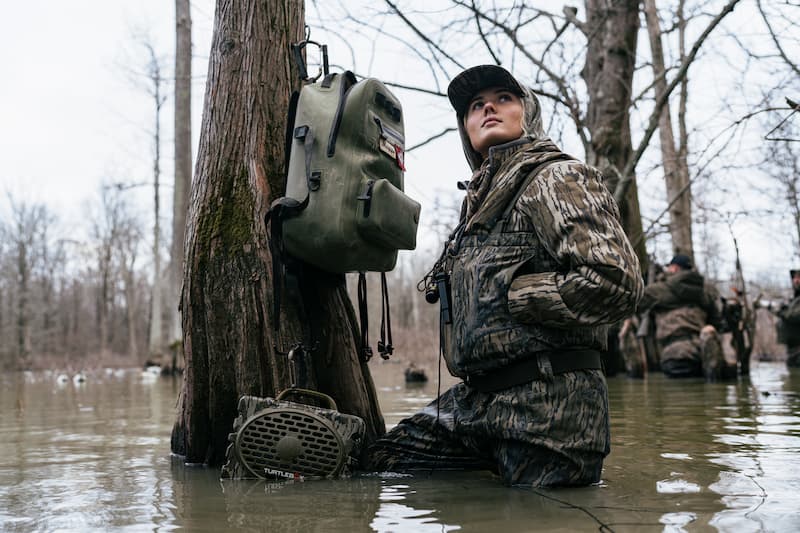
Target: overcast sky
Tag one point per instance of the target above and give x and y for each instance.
(72, 115)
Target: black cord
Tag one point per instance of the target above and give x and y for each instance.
(603, 525)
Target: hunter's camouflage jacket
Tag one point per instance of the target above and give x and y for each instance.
(790, 313)
(539, 261)
(682, 304)
(789, 325)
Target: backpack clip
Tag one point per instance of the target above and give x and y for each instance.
(297, 52)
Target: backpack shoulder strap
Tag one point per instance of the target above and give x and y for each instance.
(280, 209)
(532, 173)
(348, 80)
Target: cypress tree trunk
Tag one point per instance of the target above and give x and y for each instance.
(229, 343)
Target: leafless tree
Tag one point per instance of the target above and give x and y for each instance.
(48, 274)
(105, 235)
(156, 90)
(782, 162)
(68, 300)
(115, 240)
(673, 158)
(28, 224)
(126, 253)
(152, 80)
(183, 162)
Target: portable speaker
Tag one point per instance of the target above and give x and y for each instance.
(277, 438)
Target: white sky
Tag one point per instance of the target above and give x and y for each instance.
(70, 115)
(71, 118)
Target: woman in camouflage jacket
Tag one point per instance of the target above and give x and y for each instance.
(538, 267)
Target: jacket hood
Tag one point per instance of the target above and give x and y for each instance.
(531, 127)
(688, 286)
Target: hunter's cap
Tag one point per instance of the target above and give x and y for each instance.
(683, 261)
(474, 79)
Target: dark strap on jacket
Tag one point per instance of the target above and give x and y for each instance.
(528, 370)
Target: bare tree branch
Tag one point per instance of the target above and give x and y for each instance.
(569, 98)
(626, 175)
(422, 35)
(431, 138)
(483, 36)
(572, 16)
(791, 64)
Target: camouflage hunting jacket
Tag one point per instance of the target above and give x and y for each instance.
(789, 326)
(539, 262)
(681, 304)
(791, 313)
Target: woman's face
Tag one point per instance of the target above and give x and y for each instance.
(494, 116)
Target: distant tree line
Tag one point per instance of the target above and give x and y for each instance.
(67, 300)
(99, 295)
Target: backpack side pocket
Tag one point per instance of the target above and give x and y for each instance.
(386, 216)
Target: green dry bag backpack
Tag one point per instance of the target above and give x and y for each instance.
(345, 210)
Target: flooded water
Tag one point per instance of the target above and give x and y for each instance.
(686, 456)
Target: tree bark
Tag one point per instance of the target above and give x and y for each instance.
(676, 176)
(130, 313)
(183, 156)
(157, 341)
(23, 319)
(230, 346)
(103, 296)
(612, 28)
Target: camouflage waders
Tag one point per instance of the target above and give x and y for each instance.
(697, 356)
(540, 434)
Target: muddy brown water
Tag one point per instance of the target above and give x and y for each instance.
(686, 456)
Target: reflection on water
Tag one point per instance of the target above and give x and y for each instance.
(686, 456)
(394, 515)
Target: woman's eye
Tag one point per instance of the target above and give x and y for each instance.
(477, 105)
(504, 97)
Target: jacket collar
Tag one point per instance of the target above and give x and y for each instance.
(501, 153)
(499, 180)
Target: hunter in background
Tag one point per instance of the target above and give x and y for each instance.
(687, 323)
(789, 323)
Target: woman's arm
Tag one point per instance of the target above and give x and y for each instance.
(577, 221)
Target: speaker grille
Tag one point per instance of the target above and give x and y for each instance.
(314, 448)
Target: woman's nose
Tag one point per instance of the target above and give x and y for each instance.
(488, 105)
